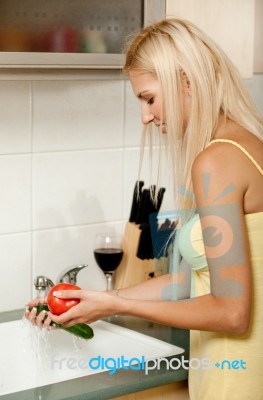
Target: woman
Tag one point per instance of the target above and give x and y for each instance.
(190, 90)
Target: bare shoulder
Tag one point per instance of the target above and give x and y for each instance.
(223, 165)
(230, 156)
(218, 167)
(215, 158)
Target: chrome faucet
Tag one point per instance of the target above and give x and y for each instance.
(69, 275)
(42, 285)
(42, 282)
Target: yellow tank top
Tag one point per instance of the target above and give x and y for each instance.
(236, 362)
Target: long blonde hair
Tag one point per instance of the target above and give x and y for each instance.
(172, 46)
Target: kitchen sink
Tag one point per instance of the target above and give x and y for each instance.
(33, 357)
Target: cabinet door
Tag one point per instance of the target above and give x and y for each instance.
(67, 33)
(228, 23)
(67, 26)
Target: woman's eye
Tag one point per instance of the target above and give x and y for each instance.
(150, 101)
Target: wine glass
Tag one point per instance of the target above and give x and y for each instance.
(108, 254)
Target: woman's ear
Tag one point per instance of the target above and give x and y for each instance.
(186, 84)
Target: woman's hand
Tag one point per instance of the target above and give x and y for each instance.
(42, 320)
(92, 306)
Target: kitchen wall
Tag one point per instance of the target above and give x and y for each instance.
(69, 153)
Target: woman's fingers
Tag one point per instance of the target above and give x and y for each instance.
(68, 294)
(36, 302)
(31, 314)
(47, 322)
(62, 319)
(42, 320)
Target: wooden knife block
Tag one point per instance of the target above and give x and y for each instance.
(132, 269)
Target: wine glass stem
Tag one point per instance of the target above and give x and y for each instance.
(109, 281)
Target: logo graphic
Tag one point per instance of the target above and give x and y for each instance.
(212, 238)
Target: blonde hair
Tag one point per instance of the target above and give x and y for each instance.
(172, 46)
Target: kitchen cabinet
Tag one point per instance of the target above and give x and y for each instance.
(71, 33)
(173, 391)
(258, 41)
(230, 23)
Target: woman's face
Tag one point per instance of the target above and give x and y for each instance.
(147, 88)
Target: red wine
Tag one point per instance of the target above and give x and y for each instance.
(108, 259)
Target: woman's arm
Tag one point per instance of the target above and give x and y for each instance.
(165, 287)
(220, 186)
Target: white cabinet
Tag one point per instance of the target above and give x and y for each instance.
(230, 23)
(258, 43)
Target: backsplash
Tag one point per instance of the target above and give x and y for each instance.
(69, 154)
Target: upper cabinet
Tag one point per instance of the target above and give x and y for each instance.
(230, 23)
(71, 33)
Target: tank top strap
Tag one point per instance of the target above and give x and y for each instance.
(240, 148)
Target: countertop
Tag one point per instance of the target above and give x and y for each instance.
(102, 385)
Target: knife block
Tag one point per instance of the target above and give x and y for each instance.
(132, 269)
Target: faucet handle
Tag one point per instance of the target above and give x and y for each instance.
(69, 275)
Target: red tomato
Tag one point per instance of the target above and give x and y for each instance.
(59, 306)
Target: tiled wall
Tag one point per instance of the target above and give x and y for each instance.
(61, 178)
(69, 152)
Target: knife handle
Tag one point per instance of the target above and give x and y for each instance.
(160, 198)
(144, 200)
(136, 200)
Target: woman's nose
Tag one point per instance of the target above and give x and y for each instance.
(146, 115)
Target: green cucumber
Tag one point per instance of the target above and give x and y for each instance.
(81, 330)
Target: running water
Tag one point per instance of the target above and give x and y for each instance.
(38, 344)
(77, 341)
